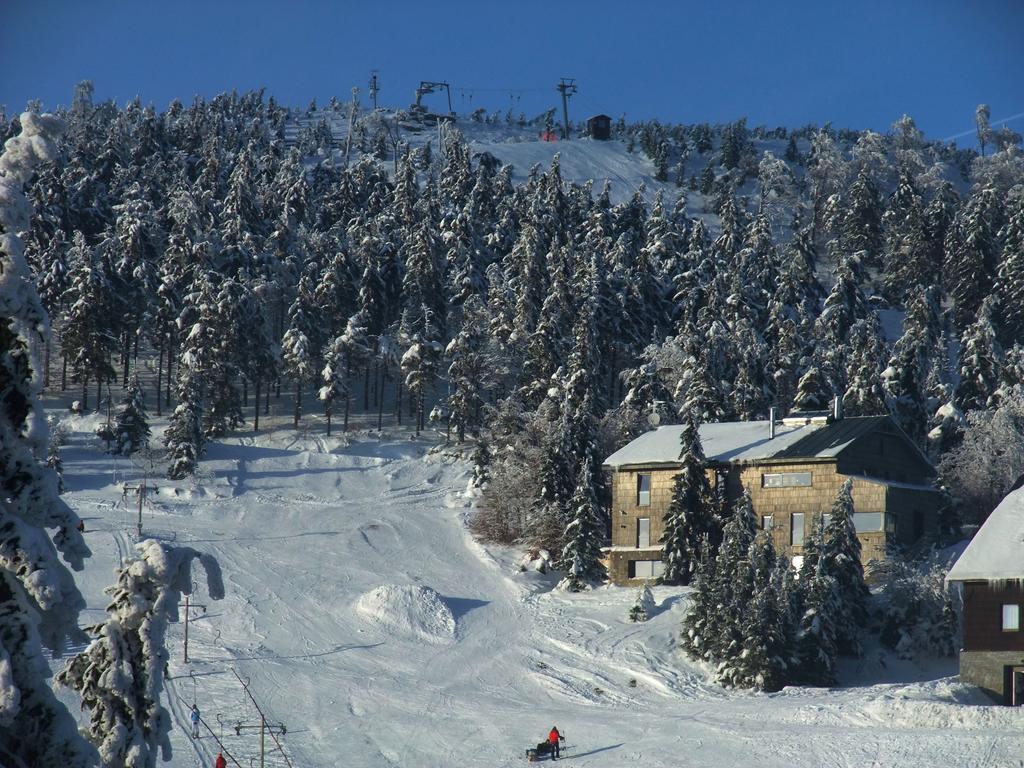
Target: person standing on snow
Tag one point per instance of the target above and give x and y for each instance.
(221, 762)
(194, 717)
(553, 738)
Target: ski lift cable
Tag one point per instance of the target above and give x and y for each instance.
(502, 90)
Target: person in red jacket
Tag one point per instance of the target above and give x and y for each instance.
(221, 762)
(553, 738)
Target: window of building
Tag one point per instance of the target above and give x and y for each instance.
(867, 522)
(785, 479)
(643, 532)
(646, 569)
(767, 522)
(796, 529)
(643, 490)
(1011, 618)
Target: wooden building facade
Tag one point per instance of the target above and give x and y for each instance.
(989, 575)
(794, 471)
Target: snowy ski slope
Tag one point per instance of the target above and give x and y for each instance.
(582, 159)
(369, 623)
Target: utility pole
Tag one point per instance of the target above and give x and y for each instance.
(567, 88)
(108, 434)
(373, 88)
(140, 491)
(186, 606)
(264, 727)
(351, 122)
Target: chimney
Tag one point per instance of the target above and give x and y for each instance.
(771, 423)
(837, 407)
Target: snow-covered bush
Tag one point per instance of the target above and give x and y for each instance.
(505, 505)
(990, 459)
(643, 605)
(53, 460)
(915, 611)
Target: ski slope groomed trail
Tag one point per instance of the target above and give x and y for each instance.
(367, 622)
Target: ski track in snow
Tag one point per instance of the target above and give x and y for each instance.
(305, 526)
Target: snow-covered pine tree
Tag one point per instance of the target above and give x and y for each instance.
(816, 634)
(813, 392)
(120, 675)
(133, 250)
(231, 337)
(1010, 283)
(87, 332)
(646, 393)
(260, 356)
(52, 282)
(764, 661)
(699, 392)
(555, 477)
(864, 395)
(904, 378)
(299, 348)
(842, 551)
(184, 437)
(298, 363)
(750, 388)
(184, 434)
(906, 245)
(53, 459)
(690, 515)
(467, 370)
(350, 349)
(422, 286)
(701, 622)
(735, 582)
(131, 430)
(980, 359)
(420, 362)
(481, 458)
(584, 534)
(862, 222)
(971, 253)
(844, 305)
(546, 346)
(39, 601)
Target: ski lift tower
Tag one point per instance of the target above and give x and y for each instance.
(427, 86)
(374, 88)
(567, 88)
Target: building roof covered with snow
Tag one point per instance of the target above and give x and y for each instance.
(750, 441)
(996, 553)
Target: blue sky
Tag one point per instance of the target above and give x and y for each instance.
(858, 64)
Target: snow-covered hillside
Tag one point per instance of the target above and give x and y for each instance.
(369, 623)
(582, 159)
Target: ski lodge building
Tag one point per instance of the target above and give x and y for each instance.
(793, 468)
(990, 577)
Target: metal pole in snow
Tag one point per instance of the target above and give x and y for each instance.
(351, 123)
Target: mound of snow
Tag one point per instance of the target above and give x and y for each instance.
(413, 612)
